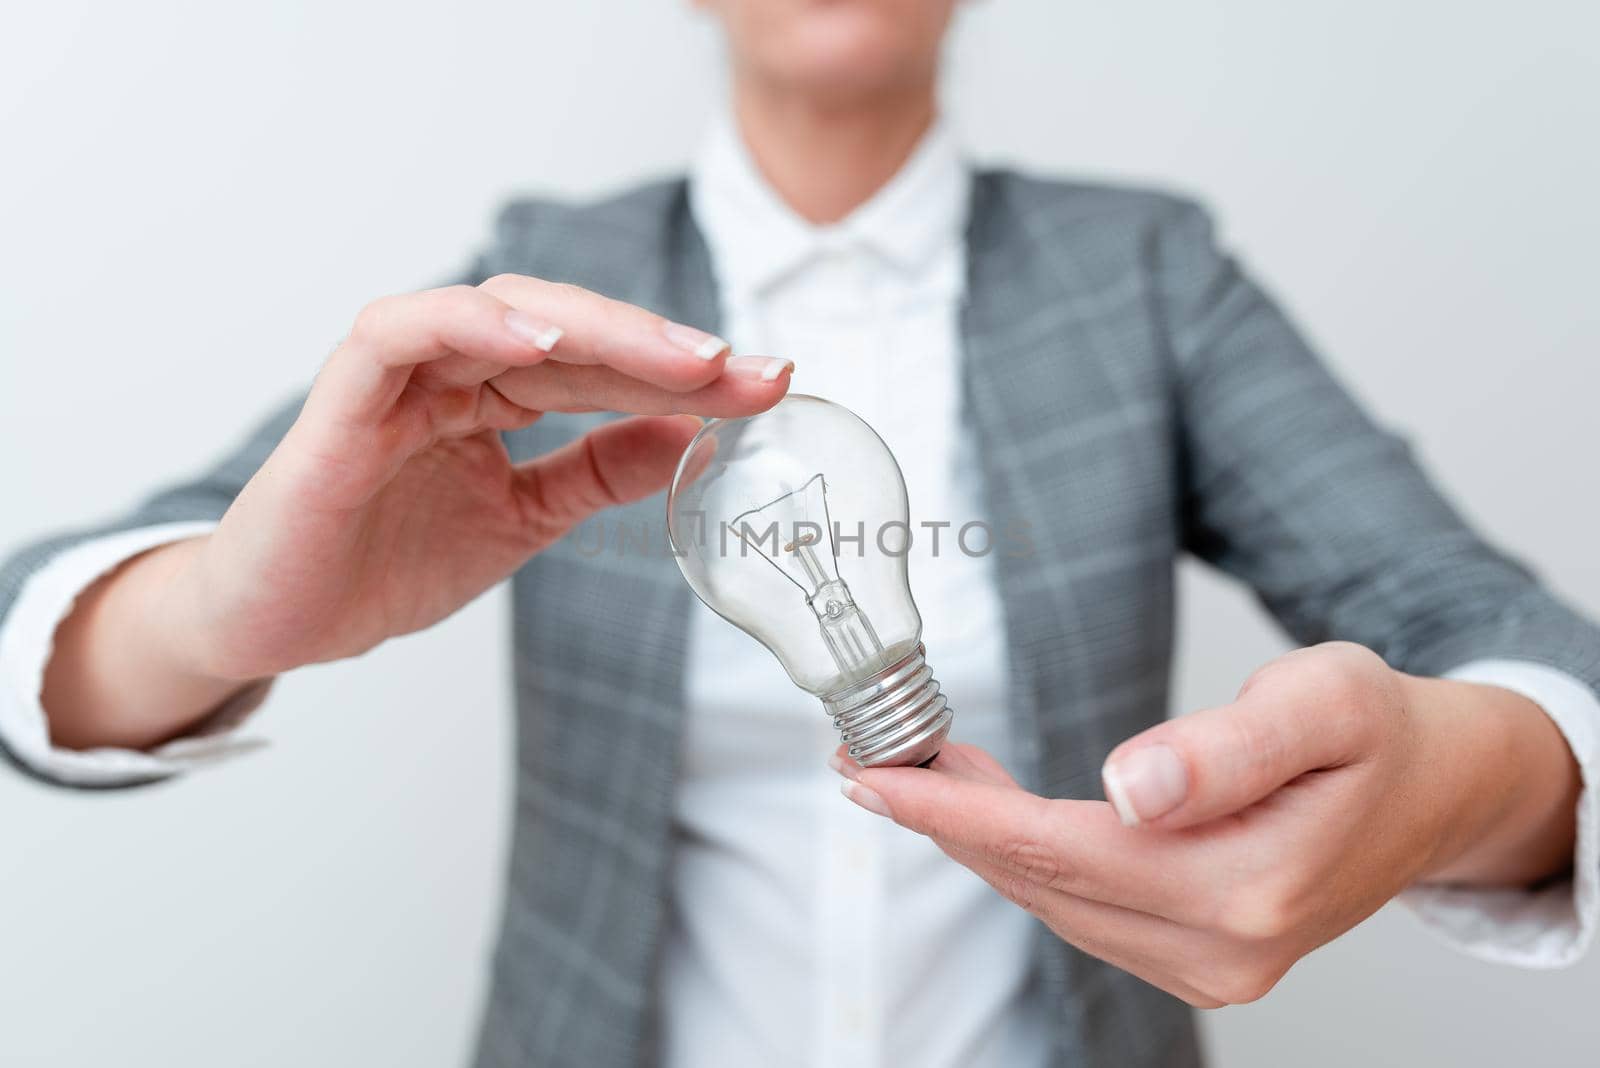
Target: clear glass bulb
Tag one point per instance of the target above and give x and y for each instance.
(793, 525)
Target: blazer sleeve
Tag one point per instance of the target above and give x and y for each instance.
(178, 511)
(1288, 485)
(205, 498)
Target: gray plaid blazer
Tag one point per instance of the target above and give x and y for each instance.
(1134, 396)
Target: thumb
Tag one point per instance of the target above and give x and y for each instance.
(1220, 760)
(613, 464)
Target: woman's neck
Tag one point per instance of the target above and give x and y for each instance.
(826, 160)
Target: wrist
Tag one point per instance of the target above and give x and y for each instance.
(181, 637)
(121, 672)
(1504, 783)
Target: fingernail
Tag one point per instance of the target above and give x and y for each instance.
(849, 769)
(536, 332)
(1146, 784)
(704, 345)
(864, 796)
(764, 368)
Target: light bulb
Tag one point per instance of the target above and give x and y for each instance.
(793, 525)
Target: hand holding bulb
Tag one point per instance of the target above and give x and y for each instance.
(1241, 838)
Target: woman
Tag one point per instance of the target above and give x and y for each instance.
(1076, 364)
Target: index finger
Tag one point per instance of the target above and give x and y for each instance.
(1076, 847)
(612, 333)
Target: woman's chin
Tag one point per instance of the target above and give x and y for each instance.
(851, 50)
(857, 71)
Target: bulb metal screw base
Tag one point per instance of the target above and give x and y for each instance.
(895, 718)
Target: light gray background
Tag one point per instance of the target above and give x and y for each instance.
(196, 198)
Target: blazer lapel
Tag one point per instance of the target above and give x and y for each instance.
(1068, 418)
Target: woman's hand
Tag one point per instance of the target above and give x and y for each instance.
(392, 502)
(1253, 833)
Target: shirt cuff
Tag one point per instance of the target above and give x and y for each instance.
(27, 639)
(1552, 926)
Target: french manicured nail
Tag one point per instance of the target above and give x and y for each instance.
(1146, 784)
(764, 368)
(536, 332)
(704, 345)
(848, 768)
(864, 796)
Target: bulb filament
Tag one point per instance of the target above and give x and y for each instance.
(846, 631)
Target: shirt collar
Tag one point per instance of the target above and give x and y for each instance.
(756, 239)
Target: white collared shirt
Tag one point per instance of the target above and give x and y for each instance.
(804, 931)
